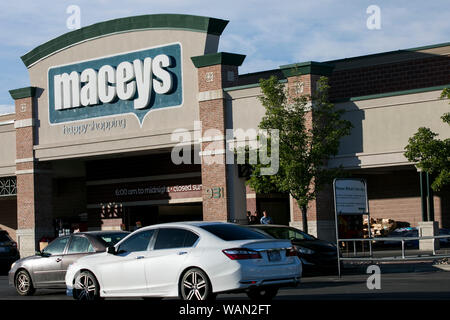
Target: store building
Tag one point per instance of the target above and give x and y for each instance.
(91, 142)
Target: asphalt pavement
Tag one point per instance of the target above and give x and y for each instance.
(421, 284)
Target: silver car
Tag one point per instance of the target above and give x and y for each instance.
(47, 269)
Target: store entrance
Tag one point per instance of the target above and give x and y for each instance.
(140, 216)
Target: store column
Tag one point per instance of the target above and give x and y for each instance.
(34, 183)
(302, 79)
(216, 71)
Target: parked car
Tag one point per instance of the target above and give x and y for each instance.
(407, 232)
(190, 260)
(444, 242)
(47, 269)
(317, 256)
(8, 251)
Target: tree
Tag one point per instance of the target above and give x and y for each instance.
(431, 154)
(303, 149)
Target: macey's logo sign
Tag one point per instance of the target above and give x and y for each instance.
(135, 82)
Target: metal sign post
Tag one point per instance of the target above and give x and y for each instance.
(350, 198)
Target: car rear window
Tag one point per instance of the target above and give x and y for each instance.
(285, 233)
(112, 238)
(4, 237)
(169, 238)
(231, 232)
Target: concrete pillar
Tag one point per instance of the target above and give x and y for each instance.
(428, 229)
(34, 181)
(217, 71)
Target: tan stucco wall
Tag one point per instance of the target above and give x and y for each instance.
(381, 126)
(7, 148)
(157, 126)
(247, 110)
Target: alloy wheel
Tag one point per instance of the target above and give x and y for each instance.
(195, 285)
(23, 283)
(86, 287)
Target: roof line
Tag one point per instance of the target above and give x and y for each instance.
(439, 45)
(144, 22)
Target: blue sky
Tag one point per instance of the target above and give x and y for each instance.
(270, 33)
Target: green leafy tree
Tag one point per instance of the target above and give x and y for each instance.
(431, 154)
(303, 149)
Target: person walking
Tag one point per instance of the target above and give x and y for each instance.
(265, 219)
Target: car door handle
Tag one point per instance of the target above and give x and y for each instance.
(182, 252)
(58, 259)
(140, 257)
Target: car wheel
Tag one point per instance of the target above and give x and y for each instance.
(23, 283)
(195, 285)
(86, 287)
(266, 294)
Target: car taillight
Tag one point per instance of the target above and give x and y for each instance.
(291, 252)
(241, 254)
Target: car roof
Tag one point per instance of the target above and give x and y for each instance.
(189, 223)
(195, 224)
(100, 232)
(269, 226)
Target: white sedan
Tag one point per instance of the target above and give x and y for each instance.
(190, 260)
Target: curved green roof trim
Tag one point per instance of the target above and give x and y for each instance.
(153, 21)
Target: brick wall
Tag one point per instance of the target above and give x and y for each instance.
(212, 116)
(413, 74)
(397, 196)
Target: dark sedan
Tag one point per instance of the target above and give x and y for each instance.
(318, 256)
(47, 269)
(8, 251)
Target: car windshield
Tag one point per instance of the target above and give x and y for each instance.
(231, 232)
(286, 233)
(111, 239)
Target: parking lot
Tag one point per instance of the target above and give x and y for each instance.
(426, 285)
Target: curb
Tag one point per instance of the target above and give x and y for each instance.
(398, 268)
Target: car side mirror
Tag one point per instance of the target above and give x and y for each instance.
(43, 254)
(111, 250)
